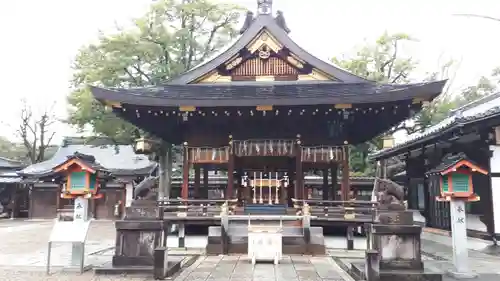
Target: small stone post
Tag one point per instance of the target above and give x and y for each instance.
(459, 239)
(224, 228)
(306, 225)
(80, 215)
(372, 265)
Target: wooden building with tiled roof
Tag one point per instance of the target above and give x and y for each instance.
(266, 106)
(471, 131)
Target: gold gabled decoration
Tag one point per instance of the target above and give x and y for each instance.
(187, 108)
(234, 63)
(343, 106)
(422, 101)
(295, 61)
(264, 39)
(316, 75)
(114, 104)
(213, 77)
(264, 108)
(265, 78)
(272, 66)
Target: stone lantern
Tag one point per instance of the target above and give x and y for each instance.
(455, 180)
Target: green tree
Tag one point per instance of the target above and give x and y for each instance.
(172, 37)
(384, 62)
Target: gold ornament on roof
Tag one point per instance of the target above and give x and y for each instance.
(234, 63)
(264, 52)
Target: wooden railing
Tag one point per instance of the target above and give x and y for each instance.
(322, 154)
(264, 148)
(195, 207)
(208, 155)
(353, 210)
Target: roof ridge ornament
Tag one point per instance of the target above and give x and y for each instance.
(248, 21)
(264, 7)
(280, 21)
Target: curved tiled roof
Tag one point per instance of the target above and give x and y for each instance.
(287, 93)
(268, 23)
(478, 110)
(119, 160)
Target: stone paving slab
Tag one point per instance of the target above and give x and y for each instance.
(23, 250)
(239, 268)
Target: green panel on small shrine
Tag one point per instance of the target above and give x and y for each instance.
(460, 182)
(78, 180)
(93, 182)
(446, 187)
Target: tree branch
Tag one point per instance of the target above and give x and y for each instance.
(477, 16)
(207, 49)
(402, 74)
(136, 82)
(393, 59)
(139, 70)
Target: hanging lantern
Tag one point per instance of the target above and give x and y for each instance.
(388, 142)
(145, 146)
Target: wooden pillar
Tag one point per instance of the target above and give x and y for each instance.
(197, 178)
(290, 193)
(299, 174)
(205, 182)
(334, 180)
(58, 199)
(345, 174)
(241, 193)
(230, 170)
(326, 187)
(93, 205)
(14, 201)
(185, 173)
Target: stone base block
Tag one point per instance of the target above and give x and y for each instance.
(357, 271)
(293, 242)
(108, 269)
(462, 275)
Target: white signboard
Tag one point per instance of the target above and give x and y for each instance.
(74, 232)
(69, 231)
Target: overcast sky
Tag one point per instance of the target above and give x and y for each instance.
(39, 39)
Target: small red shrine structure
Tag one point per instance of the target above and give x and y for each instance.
(84, 176)
(455, 174)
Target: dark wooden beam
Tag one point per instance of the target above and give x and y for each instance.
(205, 181)
(197, 178)
(230, 170)
(299, 173)
(345, 175)
(334, 182)
(325, 186)
(185, 173)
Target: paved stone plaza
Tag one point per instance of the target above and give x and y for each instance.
(23, 253)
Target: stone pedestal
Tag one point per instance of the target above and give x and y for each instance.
(138, 234)
(141, 243)
(394, 251)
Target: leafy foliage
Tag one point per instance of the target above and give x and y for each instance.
(385, 62)
(172, 37)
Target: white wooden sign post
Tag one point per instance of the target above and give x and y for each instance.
(74, 232)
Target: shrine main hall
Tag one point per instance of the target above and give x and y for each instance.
(266, 112)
